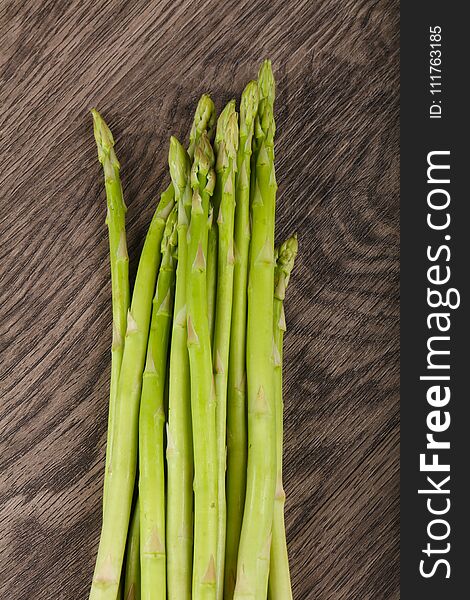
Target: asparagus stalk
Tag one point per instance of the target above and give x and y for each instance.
(211, 272)
(151, 423)
(236, 400)
(202, 386)
(211, 277)
(121, 475)
(226, 145)
(116, 222)
(279, 587)
(132, 570)
(179, 444)
(179, 449)
(255, 538)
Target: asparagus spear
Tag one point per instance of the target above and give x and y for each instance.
(226, 145)
(179, 448)
(151, 423)
(121, 475)
(211, 277)
(279, 577)
(236, 402)
(255, 538)
(132, 570)
(202, 385)
(116, 222)
(211, 272)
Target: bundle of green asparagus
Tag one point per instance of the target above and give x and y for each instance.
(196, 369)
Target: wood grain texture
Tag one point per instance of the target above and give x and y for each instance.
(144, 64)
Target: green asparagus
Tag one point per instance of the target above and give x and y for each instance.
(179, 434)
(132, 569)
(116, 222)
(226, 146)
(279, 576)
(255, 538)
(207, 352)
(236, 399)
(202, 385)
(121, 475)
(211, 276)
(151, 425)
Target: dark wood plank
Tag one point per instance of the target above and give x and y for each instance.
(144, 64)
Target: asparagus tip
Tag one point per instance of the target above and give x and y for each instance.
(203, 158)
(284, 265)
(266, 82)
(204, 119)
(289, 249)
(103, 137)
(248, 107)
(178, 163)
(226, 137)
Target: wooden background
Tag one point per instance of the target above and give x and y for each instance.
(144, 64)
